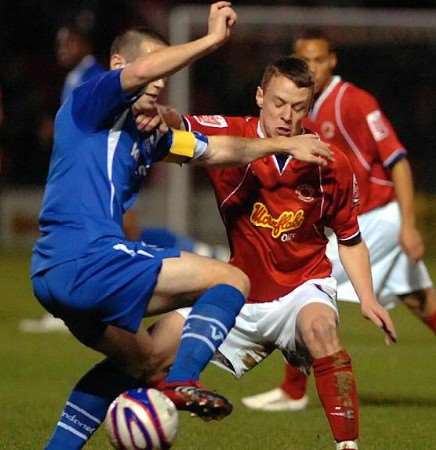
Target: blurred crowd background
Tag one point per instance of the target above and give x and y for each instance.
(396, 65)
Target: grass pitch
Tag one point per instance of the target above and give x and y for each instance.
(397, 385)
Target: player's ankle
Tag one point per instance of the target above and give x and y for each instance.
(295, 383)
(430, 321)
(347, 445)
(292, 394)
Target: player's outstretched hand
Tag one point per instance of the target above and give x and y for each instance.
(412, 243)
(309, 148)
(381, 319)
(222, 17)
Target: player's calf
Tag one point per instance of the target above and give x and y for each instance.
(333, 372)
(422, 304)
(206, 327)
(87, 404)
(336, 388)
(210, 320)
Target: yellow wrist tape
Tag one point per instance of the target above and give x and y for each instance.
(182, 147)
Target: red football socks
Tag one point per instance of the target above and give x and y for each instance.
(295, 382)
(337, 391)
(430, 321)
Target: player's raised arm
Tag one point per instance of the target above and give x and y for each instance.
(167, 60)
(229, 150)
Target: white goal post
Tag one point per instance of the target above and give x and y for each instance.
(377, 24)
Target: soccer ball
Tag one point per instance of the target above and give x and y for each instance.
(142, 419)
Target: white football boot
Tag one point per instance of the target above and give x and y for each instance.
(275, 400)
(45, 324)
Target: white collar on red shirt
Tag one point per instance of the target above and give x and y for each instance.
(325, 93)
(261, 134)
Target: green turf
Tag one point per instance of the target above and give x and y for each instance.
(397, 385)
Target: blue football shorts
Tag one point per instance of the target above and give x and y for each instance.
(111, 285)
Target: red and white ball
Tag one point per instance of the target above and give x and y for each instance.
(142, 419)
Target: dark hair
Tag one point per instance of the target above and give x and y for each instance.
(315, 34)
(128, 42)
(82, 25)
(290, 67)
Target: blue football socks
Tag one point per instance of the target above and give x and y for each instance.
(86, 407)
(206, 327)
(210, 320)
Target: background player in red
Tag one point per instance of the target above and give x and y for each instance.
(351, 118)
(275, 211)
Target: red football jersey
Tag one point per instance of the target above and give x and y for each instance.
(351, 119)
(275, 213)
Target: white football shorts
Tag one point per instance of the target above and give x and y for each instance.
(393, 272)
(263, 327)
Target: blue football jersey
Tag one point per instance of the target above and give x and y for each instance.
(87, 69)
(98, 160)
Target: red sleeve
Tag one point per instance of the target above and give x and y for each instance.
(226, 182)
(344, 208)
(370, 126)
(215, 125)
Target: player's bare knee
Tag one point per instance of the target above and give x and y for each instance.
(242, 282)
(320, 336)
(234, 277)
